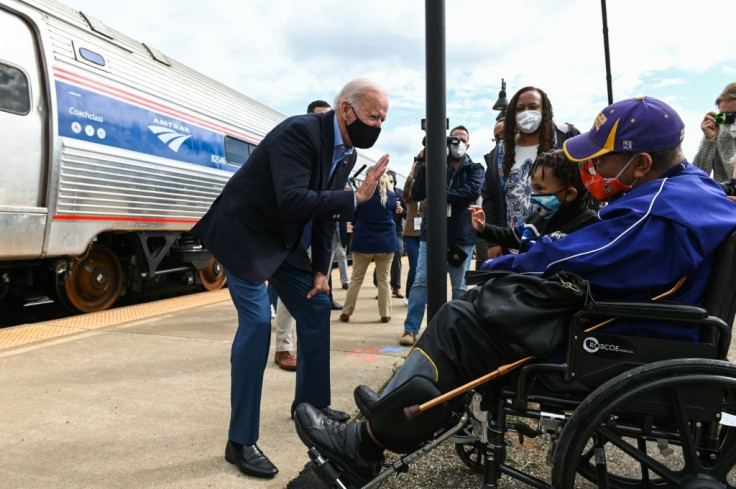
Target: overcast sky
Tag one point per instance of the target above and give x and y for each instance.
(287, 53)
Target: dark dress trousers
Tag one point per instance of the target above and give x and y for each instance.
(254, 229)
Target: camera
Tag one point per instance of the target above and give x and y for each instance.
(725, 118)
(453, 140)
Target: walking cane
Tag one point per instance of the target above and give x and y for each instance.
(416, 410)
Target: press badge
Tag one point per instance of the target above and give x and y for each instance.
(417, 223)
(449, 210)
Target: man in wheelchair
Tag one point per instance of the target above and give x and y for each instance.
(664, 221)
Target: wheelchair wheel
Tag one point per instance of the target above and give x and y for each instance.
(667, 424)
(472, 454)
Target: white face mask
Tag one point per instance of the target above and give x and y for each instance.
(731, 129)
(528, 121)
(457, 151)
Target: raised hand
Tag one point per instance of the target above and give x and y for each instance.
(477, 217)
(371, 180)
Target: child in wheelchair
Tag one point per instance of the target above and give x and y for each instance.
(664, 221)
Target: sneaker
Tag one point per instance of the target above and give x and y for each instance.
(408, 339)
(336, 441)
(346, 285)
(406, 301)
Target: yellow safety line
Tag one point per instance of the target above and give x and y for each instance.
(30, 333)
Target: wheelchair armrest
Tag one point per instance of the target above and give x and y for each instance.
(649, 310)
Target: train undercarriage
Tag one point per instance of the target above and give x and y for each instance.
(114, 264)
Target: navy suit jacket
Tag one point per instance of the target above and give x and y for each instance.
(256, 223)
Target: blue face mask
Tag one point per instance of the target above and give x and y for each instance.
(548, 204)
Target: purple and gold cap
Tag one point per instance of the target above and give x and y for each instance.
(635, 125)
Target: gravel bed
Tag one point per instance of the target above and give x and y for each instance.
(442, 468)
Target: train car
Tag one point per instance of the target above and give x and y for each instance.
(111, 151)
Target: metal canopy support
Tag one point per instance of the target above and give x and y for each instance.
(436, 156)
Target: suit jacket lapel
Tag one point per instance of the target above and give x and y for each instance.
(328, 146)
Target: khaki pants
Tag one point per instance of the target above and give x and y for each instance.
(383, 277)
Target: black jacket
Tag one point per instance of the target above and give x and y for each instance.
(568, 219)
(463, 189)
(256, 223)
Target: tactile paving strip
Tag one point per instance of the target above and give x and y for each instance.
(30, 333)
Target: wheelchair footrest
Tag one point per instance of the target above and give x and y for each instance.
(325, 470)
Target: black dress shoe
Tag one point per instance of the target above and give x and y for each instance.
(250, 460)
(336, 441)
(329, 413)
(365, 399)
(336, 306)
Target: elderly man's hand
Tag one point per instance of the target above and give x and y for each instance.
(320, 285)
(371, 180)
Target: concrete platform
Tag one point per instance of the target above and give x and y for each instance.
(143, 402)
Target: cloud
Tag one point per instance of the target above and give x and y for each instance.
(285, 54)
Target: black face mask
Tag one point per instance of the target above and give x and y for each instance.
(361, 134)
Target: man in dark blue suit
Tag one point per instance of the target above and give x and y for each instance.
(295, 175)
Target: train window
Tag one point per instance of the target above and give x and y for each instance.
(15, 95)
(91, 56)
(236, 151)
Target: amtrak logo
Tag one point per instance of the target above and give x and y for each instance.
(169, 136)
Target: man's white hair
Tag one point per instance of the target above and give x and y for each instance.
(356, 89)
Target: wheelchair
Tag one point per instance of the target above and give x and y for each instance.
(634, 413)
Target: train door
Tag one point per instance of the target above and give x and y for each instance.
(23, 109)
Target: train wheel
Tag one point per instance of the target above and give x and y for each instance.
(212, 277)
(93, 283)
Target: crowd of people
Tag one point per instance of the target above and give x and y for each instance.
(606, 204)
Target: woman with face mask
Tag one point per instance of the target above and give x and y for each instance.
(559, 206)
(529, 131)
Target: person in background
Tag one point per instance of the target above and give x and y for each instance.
(529, 130)
(413, 226)
(484, 249)
(664, 221)
(296, 175)
(374, 238)
(464, 180)
(718, 145)
(398, 218)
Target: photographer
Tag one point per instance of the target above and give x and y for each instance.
(718, 145)
(464, 180)
(413, 226)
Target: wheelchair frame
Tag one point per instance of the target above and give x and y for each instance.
(660, 393)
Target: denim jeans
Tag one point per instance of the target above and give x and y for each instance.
(411, 245)
(457, 274)
(418, 302)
